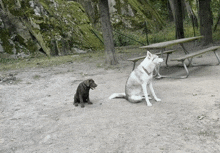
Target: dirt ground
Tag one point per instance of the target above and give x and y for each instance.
(38, 116)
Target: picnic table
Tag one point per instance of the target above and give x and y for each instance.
(188, 56)
(163, 45)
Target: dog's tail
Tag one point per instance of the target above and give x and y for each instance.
(117, 95)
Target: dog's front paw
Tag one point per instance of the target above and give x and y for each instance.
(89, 102)
(157, 99)
(82, 106)
(149, 104)
(75, 104)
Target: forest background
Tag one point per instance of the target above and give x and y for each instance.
(66, 27)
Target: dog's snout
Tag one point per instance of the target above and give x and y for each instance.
(94, 84)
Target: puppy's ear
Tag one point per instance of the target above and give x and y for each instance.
(149, 55)
(87, 82)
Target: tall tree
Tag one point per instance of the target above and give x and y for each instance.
(192, 15)
(206, 21)
(107, 32)
(176, 7)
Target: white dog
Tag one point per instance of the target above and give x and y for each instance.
(139, 79)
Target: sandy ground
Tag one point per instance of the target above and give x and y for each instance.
(37, 114)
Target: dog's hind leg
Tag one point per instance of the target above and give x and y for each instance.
(153, 93)
(135, 99)
(81, 101)
(75, 102)
(144, 87)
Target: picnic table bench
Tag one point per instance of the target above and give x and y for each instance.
(194, 54)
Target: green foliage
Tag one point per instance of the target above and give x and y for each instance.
(216, 34)
(120, 40)
(155, 34)
(166, 34)
(161, 7)
(146, 12)
(71, 23)
(134, 13)
(5, 37)
(215, 5)
(18, 8)
(126, 38)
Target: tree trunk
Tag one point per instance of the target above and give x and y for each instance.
(170, 13)
(107, 32)
(192, 16)
(176, 6)
(206, 21)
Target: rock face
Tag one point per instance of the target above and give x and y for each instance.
(50, 26)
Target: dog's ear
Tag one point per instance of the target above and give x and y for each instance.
(87, 82)
(149, 55)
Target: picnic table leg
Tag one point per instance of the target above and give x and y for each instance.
(186, 52)
(134, 65)
(157, 70)
(184, 49)
(187, 71)
(217, 57)
(161, 55)
(167, 59)
(181, 77)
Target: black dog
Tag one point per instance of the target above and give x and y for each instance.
(82, 92)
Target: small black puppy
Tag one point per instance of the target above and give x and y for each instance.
(82, 92)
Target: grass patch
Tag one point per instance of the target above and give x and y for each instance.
(43, 61)
(17, 81)
(36, 77)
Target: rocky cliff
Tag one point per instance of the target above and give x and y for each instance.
(54, 27)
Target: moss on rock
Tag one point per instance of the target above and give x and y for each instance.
(46, 21)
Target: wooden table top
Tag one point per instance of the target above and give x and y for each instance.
(170, 43)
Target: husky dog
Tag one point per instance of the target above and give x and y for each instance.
(139, 79)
